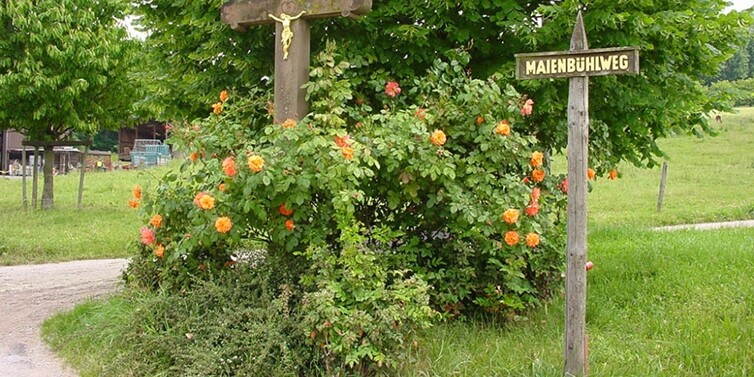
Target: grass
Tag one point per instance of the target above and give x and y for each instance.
(709, 179)
(659, 303)
(102, 229)
(95, 335)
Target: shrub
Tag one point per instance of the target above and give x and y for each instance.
(362, 315)
(442, 183)
(231, 324)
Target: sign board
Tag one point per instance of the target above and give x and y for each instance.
(594, 62)
(578, 64)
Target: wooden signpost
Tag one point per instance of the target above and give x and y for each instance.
(291, 40)
(579, 63)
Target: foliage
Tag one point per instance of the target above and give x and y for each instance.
(360, 313)
(737, 67)
(741, 64)
(740, 92)
(63, 69)
(234, 324)
(681, 43)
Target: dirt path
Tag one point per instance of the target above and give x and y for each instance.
(31, 294)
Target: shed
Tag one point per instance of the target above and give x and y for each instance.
(153, 129)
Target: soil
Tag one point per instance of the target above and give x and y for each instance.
(30, 294)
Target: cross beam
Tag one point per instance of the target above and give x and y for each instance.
(292, 39)
(579, 63)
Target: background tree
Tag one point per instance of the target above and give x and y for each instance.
(681, 44)
(737, 67)
(63, 66)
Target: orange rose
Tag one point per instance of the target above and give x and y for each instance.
(438, 138)
(223, 224)
(613, 174)
(217, 108)
(256, 163)
(207, 202)
(535, 194)
(538, 175)
(223, 96)
(289, 225)
(133, 203)
(159, 251)
(147, 235)
(503, 128)
(193, 156)
(347, 152)
(532, 209)
(421, 113)
(222, 187)
(536, 159)
(289, 123)
(479, 120)
(563, 186)
(527, 108)
(198, 197)
(532, 239)
(343, 141)
(512, 238)
(510, 216)
(285, 211)
(137, 192)
(156, 221)
(590, 173)
(229, 167)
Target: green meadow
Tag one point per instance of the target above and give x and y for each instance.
(659, 303)
(101, 229)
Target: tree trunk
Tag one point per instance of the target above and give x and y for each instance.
(47, 192)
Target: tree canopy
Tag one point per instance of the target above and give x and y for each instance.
(63, 68)
(681, 43)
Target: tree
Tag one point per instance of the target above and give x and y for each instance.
(681, 43)
(737, 67)
(63, 66)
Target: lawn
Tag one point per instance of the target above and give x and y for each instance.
(102, 229)
(659, 303)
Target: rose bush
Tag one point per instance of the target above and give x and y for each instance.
(444, 186)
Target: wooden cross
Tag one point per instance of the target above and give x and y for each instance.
(291, 40)
(579, 63)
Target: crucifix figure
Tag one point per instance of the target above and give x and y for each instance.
(290, 74)
(287, 35)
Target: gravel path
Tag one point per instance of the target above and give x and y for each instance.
(30, 294)
(707, 226)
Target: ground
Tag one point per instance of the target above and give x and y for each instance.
(31, 294)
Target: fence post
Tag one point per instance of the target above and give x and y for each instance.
(663, 181)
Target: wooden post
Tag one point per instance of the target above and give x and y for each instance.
(81, 178)
(579, 63)
(34, 178)
(578, 158)
(23, 178)
(663, 181)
